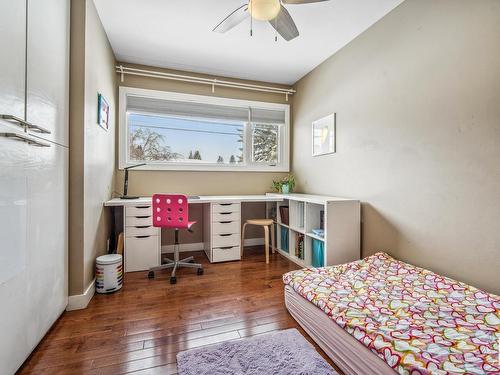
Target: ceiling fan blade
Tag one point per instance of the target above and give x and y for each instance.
(284, 25)
(301, 1)
(233, 19)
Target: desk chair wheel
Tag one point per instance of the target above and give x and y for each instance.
(151, 275)
(173, 280)
(200, 271)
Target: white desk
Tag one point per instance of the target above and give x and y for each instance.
(340, 218)
(221, 228)
(202, 199)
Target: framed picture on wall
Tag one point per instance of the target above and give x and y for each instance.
(323, 135)
(102, 112)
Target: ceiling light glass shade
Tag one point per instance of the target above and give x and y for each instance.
(264, 10)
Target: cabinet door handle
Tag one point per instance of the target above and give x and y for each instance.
(24, 124)
(142, 236)
(24, 138)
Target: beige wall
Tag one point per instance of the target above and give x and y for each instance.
(93, 154)
(145, 183)
(417, 98)
(76, 146)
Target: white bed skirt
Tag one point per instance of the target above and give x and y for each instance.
(351, 356)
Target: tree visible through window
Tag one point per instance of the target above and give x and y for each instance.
(193, 132)
(265, 143)
(171, 139)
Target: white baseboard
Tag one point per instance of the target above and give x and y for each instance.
(254, 241)
(198, 246)
(81, 301)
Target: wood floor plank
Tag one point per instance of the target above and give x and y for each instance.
(170, 369)
(141, 328)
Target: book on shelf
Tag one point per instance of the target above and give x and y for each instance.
(319, 232)
(322, 219)
(284, 215)
(299, 246)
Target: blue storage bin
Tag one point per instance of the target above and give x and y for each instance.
(284, 239)
(318, 253)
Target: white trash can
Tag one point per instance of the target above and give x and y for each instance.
(108, 273)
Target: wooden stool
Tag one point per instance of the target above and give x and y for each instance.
(263, 223)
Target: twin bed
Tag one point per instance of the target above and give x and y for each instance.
(383, 316)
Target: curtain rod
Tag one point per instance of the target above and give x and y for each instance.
(205, 81)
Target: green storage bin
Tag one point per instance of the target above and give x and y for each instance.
(318, 253)
(284, 239)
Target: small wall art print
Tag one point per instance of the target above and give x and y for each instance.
(323, 135)
(102, 112)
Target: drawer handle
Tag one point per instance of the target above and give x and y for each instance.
(225, 213)
(226, 247)
(142, 217)
(24, 138)
(25, 124)
(225, 204)
(142, 236)
(142, 206)
(225, 235)
(225, 222)
(143, 226)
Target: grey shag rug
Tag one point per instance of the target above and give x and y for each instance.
(282, 352)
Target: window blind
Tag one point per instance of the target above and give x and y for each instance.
(187, 109)
(261, 115)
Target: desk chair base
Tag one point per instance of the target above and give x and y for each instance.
(175, 264)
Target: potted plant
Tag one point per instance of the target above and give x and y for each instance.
(285, 185)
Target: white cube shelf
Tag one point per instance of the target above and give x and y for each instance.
(341, 224)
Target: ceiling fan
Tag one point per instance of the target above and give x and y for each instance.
(272, 11)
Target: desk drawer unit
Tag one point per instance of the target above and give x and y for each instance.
(225, 222)
(224, 254)
(142, 240)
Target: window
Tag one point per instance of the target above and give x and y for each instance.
(171, 131)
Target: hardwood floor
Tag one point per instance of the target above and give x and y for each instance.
(141, 328)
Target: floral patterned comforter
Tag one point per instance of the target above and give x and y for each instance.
(417, 321)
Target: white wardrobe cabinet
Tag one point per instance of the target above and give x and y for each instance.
(14, 211)
(33, 173)
(48, 68)
(47, 238)
(12, 60)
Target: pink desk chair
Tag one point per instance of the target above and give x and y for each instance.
(171, 211)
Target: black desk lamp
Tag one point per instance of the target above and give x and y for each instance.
(125, 182)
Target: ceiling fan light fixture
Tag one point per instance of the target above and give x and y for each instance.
(264, 10)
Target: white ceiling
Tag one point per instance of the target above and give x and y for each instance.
(178, 34)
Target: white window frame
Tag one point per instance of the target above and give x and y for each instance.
(246, 166)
